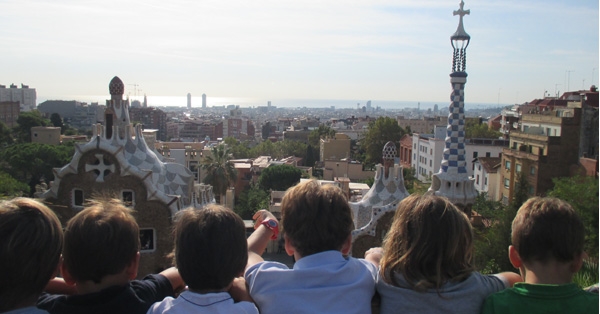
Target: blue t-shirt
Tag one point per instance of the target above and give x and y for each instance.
(135, 297)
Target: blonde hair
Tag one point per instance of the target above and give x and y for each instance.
(30, 245)
(430, 242)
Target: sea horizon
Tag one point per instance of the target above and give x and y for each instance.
(248, 102)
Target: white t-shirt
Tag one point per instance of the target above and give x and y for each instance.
(325, 282)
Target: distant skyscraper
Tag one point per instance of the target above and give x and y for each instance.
(189, 99)
(452, 181)
(203, 100)
(145, 101)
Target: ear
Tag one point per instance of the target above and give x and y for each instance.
(132, 268)
(347, 246)
(69, 280)
(289, 248)
(514, 257)
(576, 263)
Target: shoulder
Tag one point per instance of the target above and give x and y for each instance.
(152, 287)
(162, 306)
(492, 283)
(46, 300)
(27, 310)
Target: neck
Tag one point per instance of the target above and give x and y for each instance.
(89, 286)
(549, 273)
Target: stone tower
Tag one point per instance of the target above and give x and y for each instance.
(452, 181)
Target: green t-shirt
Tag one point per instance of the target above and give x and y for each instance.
(532, 299)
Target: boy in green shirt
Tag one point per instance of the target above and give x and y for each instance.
(547, 237)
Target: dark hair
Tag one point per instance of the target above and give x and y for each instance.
(316, 218)
(430, 242)
(210, 247)
(30, 245)
(547, 228)
(103, 239)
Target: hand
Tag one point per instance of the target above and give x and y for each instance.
(261, 215)
(239, 291)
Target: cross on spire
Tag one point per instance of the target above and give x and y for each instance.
(462, 12)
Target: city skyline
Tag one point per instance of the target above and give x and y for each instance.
(355, 50)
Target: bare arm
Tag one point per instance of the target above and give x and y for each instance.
(175, 278)
(58, 285)
(259, 239)
(239, 290)
(511, 277)
(374, 255)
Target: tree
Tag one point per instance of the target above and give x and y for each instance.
(10, 186)
(266, 130)
(251, 200)
(220, 171)
(238, 150)
(26, 121)
(480, 131)
(380, 131)
(322, 131)
(492, 241)
(57, 121)
(582, 194)
(310, 156)
(5, 135)
(287, 148)
(279, 177)
(31, 162)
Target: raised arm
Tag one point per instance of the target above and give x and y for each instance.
(259, 239)
(511, 277)
(175, 278)
(374, 255)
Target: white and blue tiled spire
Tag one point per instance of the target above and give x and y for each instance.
(452, 181)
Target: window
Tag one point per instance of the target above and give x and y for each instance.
(128, 198)
(518, 168)
(485, 180)
(474, 154)
(506, 182)
(147, 240)
(507, 165)
(78, 198)
(430, 163)
(531, 190)
(532, 170)
(488, 154)
(477, 181)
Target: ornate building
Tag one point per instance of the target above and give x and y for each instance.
(452, 181)
(117, 162)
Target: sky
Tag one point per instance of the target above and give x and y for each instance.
(310, 49)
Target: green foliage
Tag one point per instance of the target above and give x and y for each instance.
(480, 131)
(588, 274)
(11, 187)
(368, 181)
(279, 178)
(279, 149)
(57, 121)
(310, 156)
(582, 194)
(31, 162)
(322, 131)
(266, 130)
(5, 135)
(521, 191)
(380, 131)
(251, 200)
(491, 242)
(26, 121)
(237, 149)
(220, 171)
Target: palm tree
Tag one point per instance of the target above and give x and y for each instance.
(220, 171)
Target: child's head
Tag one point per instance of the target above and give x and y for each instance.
(103, 239)
(210, 247)
(547, 229)
(30, 245)
(316, 218)
(429, 242)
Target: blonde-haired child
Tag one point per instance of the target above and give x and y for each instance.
(426, 266)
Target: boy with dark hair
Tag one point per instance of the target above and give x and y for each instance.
(547, 248)
(101, 258)
(210, 252)
(30, 245)
(317, 225)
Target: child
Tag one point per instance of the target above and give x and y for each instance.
(317, 225)
(426, 265)
(547, 248)
(210, 252)
(100, 258)
(30, 245)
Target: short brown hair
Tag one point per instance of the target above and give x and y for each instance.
(430, 242)
(103, 239)
(210, 247)
(30, 245)
(316, 218)
(547, 228)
